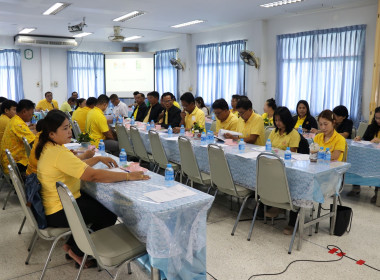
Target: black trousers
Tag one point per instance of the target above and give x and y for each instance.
(93, 213)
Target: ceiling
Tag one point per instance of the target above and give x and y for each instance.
(155, 24)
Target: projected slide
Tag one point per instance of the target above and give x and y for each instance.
(129, 72)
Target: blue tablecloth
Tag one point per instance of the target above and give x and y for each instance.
(174, 232)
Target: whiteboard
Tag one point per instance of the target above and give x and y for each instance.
(129, 72)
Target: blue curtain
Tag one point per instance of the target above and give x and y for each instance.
(220, 70)
(85, 73)
(166, 74)
(324, 67)
(11, 86)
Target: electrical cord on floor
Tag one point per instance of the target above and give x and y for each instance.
(211, 275)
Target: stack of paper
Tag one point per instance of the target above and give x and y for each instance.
(169, 194)
(250, 155)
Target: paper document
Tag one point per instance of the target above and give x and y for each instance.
(300, 156)
(116, 169)
(224, 131)
(169, 194)
(172, 138)
(259, 148)
(363, 142)
(72, 146)
(249, 155)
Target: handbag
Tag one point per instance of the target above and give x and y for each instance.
(343, 222)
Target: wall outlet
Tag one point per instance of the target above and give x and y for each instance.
(55, 84)
(38, 84)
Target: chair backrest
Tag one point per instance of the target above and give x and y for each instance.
(362, 128)
(271, 182)
(73, 129)
(13, 164)
(26, 146)
(189, 164)
(138, 144)
(353, 133)
(213, 126)
(345, 152)
(158, 151)
(76, 128)
(68, 115)
(268, 130)
(219, 169)
(76, 222)
(123, 139)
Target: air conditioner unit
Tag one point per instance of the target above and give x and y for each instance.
(45, 41)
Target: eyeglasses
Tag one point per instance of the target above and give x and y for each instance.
(242, 114)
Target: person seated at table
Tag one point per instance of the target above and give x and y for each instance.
(8, 111)
(134, 97)
(120, 108)
(80, 114)
(141, 109)
(234, 101)
(57, 163)
(2, 99)
(224, 118)
(269, 108)
(97, 126)
(304, 118)
(74, 94)
(13, 134)
(68, 105)
(250, 124)
(154, 109)
(48, 103)
(80, 103)
(201, 105)
(171, 115)
(175, 103)
(343, 125)
(191, 114)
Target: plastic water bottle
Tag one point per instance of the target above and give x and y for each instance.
(123, 158)
(268, 146)
(34, 119)
(203, 138)
(170, 131)
(327, 156)
(152, 125)
(241, 145)
(147, 126)
(114, 120)
(182, 130)
(132, 120)
(288, 157)
(121, 119)
(210, 137)
(102, 147)
(169, 175)
(133, 108)
(213, 116)
(321, 156)
(300, 131)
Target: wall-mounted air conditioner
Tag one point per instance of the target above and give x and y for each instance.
(45, 41)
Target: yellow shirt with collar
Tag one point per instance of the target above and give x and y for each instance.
(175, 103)
(96, 125)
(57, 163)
(236, 113)
(4, 121)
(285, 140)
(299, 122)
(254, 125)
(65, 107)
(80, 115)
(196, 116)
(265, 116)
(44, 105)
(12, 140)
(229, 124)
(336, 142)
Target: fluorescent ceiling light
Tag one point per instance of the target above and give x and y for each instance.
(279, 3)
(132, 38)
(188, 23)
(27, 30)
(56, 8)
(82, 34)
(130, 16)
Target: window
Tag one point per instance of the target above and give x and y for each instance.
(324, 67)
(85, 73)
(166, 74)
(220, 71)
(10, 75)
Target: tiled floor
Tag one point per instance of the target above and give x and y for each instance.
(228, 257)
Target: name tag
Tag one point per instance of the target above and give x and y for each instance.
(193, 118)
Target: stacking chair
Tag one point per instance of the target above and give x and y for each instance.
(68, 115)
(76, 129)
(272, 188)
(189, 164)
(50, 234)
(26, 146)
(353, 133)
(6, 181)
(268, 130)
(112, 247)
(124, 141)
(361, 129)
(139, 147)
(221, 178)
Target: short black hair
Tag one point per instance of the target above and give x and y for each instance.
(236, 96)
(272, 104)
(220, 104)
(72, 99)
(244, 103)
(24, 104)
(304, 102)
(188, 97)
(91, 101)
(7, 104)
(154, 94)
(48, 92)
(285, 117)
(142, 95)
(341, 111)
(102, 99)
(74, 92)
(2, 99)
(168, 93)
(114, 96)
(136, 93)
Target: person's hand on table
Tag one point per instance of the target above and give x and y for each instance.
(357, 138)
(375, 140)
(110, 162)
(137, 176)
(314, 130)
(176, 130)
(228, 136)
(88, 153)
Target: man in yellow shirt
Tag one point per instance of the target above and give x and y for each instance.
(97, 126)
(224, 118)
(191, 113)
(68, 105)
(15, 130)
(250, 124)
(48, 103)
(8, 111)
(80, 114)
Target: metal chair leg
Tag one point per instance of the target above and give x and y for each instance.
(294, 234)
(192, 183)
(253, 221)
(129, 268)
(31, 240)
(81, 266)
(22, 225)
(340, 200)
(311, 218)
(265, 216)
(318, 215)
(31, 249)
(7, 198)
(238, 217)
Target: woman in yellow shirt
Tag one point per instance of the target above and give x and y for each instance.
(234, 101)
(269, 108)
(57, 163)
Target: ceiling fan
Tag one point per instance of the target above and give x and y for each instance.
(249, 58)
(117, 37)
(177, 64)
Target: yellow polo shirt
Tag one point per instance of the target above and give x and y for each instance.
(96, 125)
(265, 116)
(80, 115)
(65, 107)
(175, 103)
(229, 124)
(32, 161)
(44, 105)
(299, 122)
(236, 113)
(336, 142)
(285, 140)
(12, 140)
(254, 125)
(4, 120)
(57, 163)
(196, 116)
